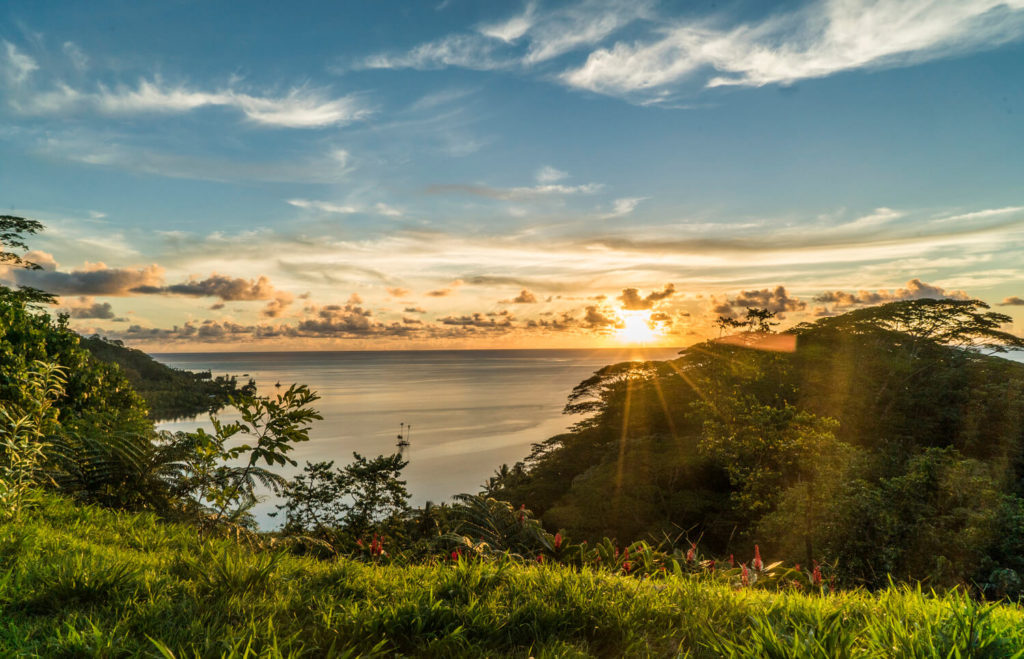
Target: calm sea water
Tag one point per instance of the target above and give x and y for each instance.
(470, 410)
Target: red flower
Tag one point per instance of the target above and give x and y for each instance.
(558, 541)
(816, 574)
(361, 544)
(455, 555)
(757, 564)
(711, 565)
(540, 559)
(627, 566)
(745, 576)
(625, 554)
(691, 553)
(732, 561)
(797, 567)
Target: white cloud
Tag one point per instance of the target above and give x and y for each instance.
(301, 107)
(625, 206)
(467, 51)
(17, 66)
(379, 208)
(496, 46)
(548, 174)
(519, 193)
(815, 41)
(513, 28)
(78, 58)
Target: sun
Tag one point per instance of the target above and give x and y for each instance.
(636, 327)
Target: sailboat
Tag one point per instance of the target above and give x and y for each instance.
(403, 436)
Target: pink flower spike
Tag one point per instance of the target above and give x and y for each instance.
(757, 564)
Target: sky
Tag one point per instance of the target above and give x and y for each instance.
(456, 174)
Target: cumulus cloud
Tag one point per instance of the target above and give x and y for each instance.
(229, 289)
(86, 307)
(1012, 301)
(776, 300)
(816, 40)
(524, 297)
(633, 301)
(915, 290)
(92, 279)
(398, 291)
(489, 321)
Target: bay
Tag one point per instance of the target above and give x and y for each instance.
(470, 410)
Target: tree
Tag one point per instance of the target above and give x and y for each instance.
(336, 504)
(221, 477)
(13, 231)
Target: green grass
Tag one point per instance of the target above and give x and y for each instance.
(82, 581)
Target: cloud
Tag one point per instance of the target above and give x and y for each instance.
(525, 297)
(1012, 301)
(16, 65)
(78, 58)
(632, 301)
(379, 208)
(814, 41)
(915, 290)
(548, 174)
(467, 51)
(397, 291)
(599, 319)
(229, 289)
(86, 307)
(440, 292)
(300, 107)
(624, 206)
(776, 300)
(93, 279)
(489, 321)
(415, 310)
(547, 35)
(515, 194)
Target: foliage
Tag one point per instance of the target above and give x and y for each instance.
(220, 474)
(83, 581)
(886, 441)
(364, 496)
(13, 232)
(169, 393)
(23, 433)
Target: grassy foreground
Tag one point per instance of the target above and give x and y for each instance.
(83, 581)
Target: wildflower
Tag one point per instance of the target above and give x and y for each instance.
(797, 566)
(745, 575)
(540, 559)
(455, 555)
(625, 554)
(732, 561)
(558, 541)
(711, 565)
(757, 563)
(816, 575)
(691, 553)
(627, 566)
(362, 545)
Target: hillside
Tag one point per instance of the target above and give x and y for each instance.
(85, 581)
(170, 393)
(884, 441)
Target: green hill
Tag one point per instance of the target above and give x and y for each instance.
(170, 393)
(85, 581)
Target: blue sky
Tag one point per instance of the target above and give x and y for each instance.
(469, 174)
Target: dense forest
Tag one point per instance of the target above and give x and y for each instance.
(885, 444)
(170, 393)
(883, 438)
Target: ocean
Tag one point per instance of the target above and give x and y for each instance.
(470, 410)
